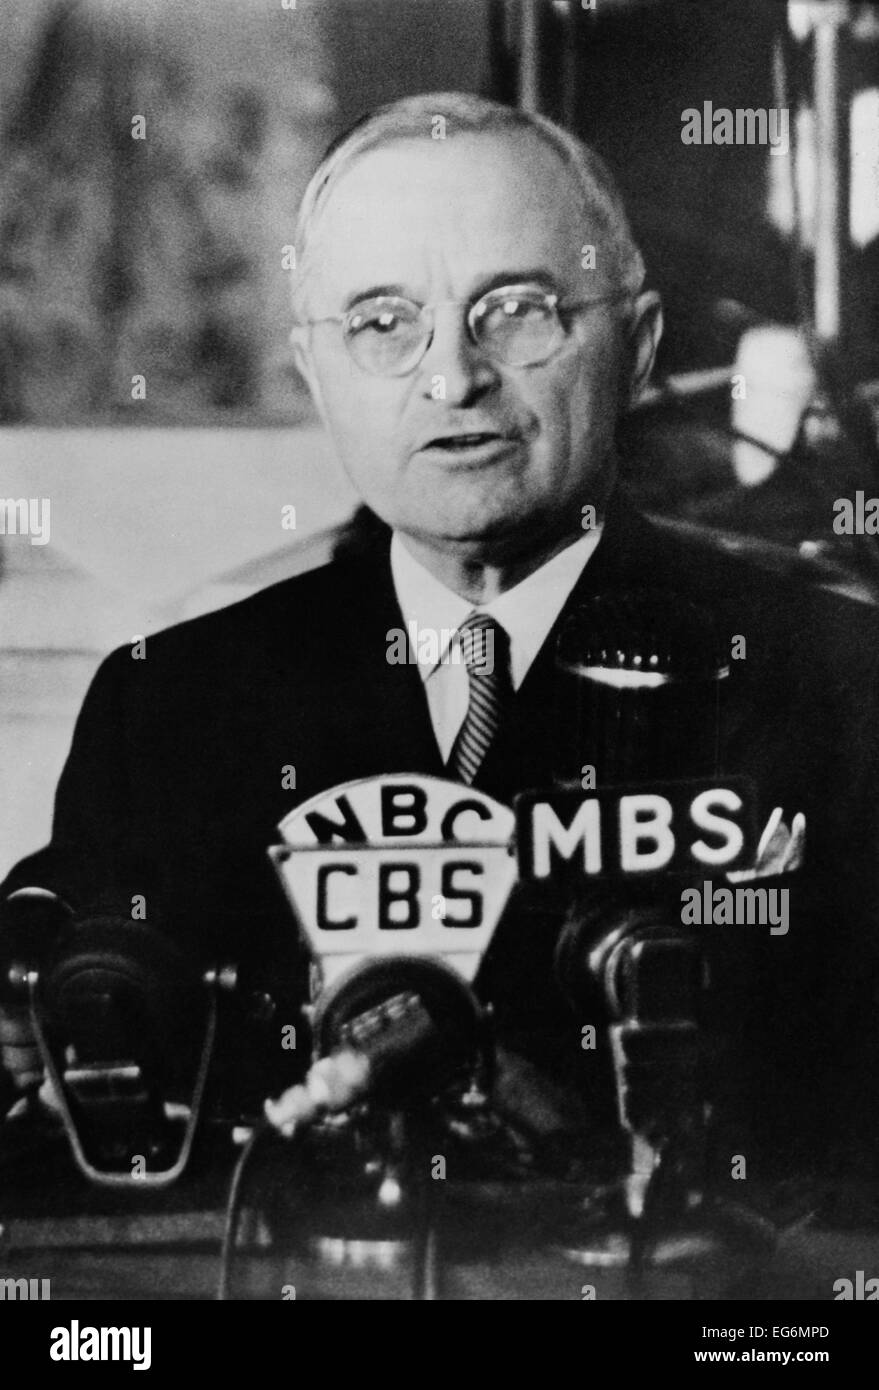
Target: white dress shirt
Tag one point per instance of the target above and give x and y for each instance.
(526, 612)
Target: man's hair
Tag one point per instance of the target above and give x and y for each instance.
(466, 114)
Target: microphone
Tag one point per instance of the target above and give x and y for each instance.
(396, 883)
(393, 1032)
(114, 988)
(646, 965)
(125, 1021)
(643, 673)
(389, 1044)
(643, 676)
(31, 921)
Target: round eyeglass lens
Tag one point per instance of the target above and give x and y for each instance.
(386, 335)
(520, 329)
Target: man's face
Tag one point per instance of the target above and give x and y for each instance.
(443, 221)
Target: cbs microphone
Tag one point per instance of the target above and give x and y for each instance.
(396, 883)
(392, 1053)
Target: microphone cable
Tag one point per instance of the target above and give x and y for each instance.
(234, 1207)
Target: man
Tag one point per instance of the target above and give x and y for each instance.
(471, 321)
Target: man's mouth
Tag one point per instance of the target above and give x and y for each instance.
(475, 442)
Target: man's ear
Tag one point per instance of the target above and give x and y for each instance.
(643, 334)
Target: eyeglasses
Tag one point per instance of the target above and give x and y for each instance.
(519, 325)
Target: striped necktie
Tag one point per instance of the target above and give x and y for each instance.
(485, 647)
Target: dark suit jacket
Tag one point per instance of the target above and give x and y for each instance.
(173, 789)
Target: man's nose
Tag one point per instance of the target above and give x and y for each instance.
(454, 368)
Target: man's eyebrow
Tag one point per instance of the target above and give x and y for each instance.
(537, 276)
(531, 276)
(373, 292)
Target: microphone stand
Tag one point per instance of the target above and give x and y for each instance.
(427, 1049)
(661, 1214)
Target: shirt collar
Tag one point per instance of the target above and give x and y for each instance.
(527, 611)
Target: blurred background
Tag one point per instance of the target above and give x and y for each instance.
(163, 260)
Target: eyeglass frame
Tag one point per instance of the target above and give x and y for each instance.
(552, 300)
